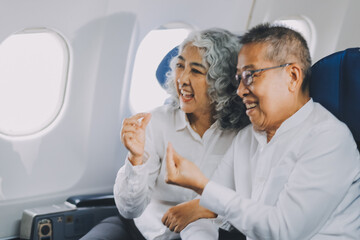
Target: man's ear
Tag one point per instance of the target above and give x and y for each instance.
(296, 77)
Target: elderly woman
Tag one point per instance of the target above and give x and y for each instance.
(201, 122)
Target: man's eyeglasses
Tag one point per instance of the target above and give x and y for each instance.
(247, 76)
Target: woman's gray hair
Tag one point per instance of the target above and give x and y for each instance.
(219, 49)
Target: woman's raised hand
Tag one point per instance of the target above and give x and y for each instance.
(133, 136)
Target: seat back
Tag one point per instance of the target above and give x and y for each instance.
(164, 66)
(335, 84)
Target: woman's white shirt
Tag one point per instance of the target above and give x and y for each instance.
(141, 192)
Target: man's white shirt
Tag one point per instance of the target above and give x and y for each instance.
(303, 184)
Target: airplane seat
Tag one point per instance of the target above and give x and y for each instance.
(164, 66)
(335, 83)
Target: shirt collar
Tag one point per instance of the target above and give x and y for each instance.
(181, 121)
(289, 123)
(296, 118)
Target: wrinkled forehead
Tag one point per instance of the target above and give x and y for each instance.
(252, 55)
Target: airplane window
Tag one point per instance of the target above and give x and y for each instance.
(302, 25)
(145, 92)
(33, 74)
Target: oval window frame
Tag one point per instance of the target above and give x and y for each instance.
(55, 109)
(135, 85)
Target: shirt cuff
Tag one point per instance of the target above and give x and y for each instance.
(216, 197)
(202, 229)
(131, 170)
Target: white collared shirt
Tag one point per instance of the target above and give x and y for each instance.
(141, 192)
(303, 184)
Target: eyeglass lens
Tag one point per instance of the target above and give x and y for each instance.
(245, 77)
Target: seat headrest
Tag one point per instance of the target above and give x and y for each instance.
(164, 66)
(335, 83)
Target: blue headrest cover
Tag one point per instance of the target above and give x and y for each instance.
(164, 66)
(335, 83)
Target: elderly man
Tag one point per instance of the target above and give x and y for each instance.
(294, 173)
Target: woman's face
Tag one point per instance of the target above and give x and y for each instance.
(190, 77)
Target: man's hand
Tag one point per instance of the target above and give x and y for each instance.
(133, 136)
(179, 216)
(183, 172)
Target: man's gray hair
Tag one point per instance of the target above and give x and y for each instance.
(219, 49)
(283, 43)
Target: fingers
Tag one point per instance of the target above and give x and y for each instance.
(145, 120)
(133, 126)
(178, 229)
(170, 164)
(128, 134)
(136, 120)
(164, 218)
(133, 135)
(140, 120)
(172, 227)
(129, 128)
(170, 222)
(138, 116)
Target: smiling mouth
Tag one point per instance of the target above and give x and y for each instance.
(186, 95)
(250, 105)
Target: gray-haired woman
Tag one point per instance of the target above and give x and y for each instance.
(204, 116)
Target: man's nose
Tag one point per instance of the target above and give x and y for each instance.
(242, 90)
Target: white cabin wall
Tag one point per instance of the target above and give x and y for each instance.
(79, 152)
(230, 14)
(349, 35)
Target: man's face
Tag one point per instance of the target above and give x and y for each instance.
(268, 99)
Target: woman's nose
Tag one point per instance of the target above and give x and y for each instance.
(184, 79)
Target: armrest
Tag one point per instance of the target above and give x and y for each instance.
(92, 200)
(69, 220)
